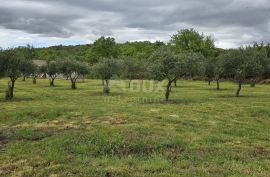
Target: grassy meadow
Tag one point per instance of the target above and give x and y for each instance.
(56, 131)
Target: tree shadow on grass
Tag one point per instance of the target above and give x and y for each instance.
(16, 99)
(112, 94)
(215, 89)
(233, 96)
(172, 101)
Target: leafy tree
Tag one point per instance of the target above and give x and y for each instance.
(73, 69)
(241, 65)
(165, 65)
(27, 68)
(3, 63)
(139, 50)
(209, 70)
(191, 40)
(52, 71)
(29, 52)
(266, 72)
(213, 70)
(132, 69)
(36, 71)
(105, 69)
(193, 64)
(43, 70)
(218, 71)
(13, 72)
(103, 48)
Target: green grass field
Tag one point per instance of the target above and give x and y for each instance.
(57, 131)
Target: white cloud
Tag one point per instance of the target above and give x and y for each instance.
(232, 23)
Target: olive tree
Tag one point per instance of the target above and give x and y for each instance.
(73, 69)
(213, 70)
(209, 70)
(165, 65)
(13, 72)
(132, 69)
(3, 63)
(105, 69)
(241, 65)
(27, 68)
(35, 73)
(52, 70)
(192, 41)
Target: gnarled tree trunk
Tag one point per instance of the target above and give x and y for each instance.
(52, 82)
(34, 80)
(239, 88)
(10, 90)
(167, 93)
(253, 82)
(73, 85)
(106, 88)
(209, 82)
(24, 78)
(218, 87)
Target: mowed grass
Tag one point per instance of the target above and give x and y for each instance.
(57, 131)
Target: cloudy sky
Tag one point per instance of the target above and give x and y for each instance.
(231, 23)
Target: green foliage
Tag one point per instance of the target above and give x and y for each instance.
(106, 68)
(27, 52)
(132, 69)
(191, 64)
(139, 50)
(3, 63)
(52, 70)
(27, 68)
(190, 40)
(164, 65)
(102, 48)
(209, 68)
(14, 66)
(242, 64)
(72, 69)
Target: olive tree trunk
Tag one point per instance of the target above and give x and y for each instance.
(175, 83)
(239, 88)
(73, 84)
(106, 88)
(253, 82)
(218, 87)
(209, 82)
(34, 80)
(52, 82)
(24, 78)
(167, 93)
(10, 90)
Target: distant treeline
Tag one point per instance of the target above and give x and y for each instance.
(140, 50)
(189, 54)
